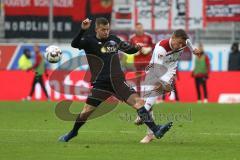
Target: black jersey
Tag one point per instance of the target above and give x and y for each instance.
(102, 55)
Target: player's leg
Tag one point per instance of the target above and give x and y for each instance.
(128, 95)
(124, 92)
(152, 92)
(43, 86)
(96, 97)
(150, 135)
(150, 97)
(137, 103)
(152, 88)
(35, 80)
(150, 101)
(197, 85)
(161, 85)
(161, 89)
(204, 84)
(80, 121)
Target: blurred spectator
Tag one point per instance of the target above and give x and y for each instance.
(200, 73)
(24, 62)
(234, 58)
(142, 58)
(39, 69)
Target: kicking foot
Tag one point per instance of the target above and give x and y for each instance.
(162, 130)
(148, 138)
(67, 137)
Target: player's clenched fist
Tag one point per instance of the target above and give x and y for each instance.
(197, 52)
(86, 24)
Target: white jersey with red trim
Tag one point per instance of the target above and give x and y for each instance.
(164, 61)
(162, 69)
(164, 57)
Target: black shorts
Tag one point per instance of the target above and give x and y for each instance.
(103, 90)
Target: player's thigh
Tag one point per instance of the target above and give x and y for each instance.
(167, 81)
(97, 96)
(148, 90)
(127, 94)
(122, 90)
(150, 83)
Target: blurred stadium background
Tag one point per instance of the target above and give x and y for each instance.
(29, 129)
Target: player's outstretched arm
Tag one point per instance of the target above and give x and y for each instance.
(128, 48)
(79, 41)
(195, 51)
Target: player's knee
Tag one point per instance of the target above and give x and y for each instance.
(87, 109)
(86, 112)
(139, 103)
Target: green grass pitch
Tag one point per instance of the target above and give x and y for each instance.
(29, 131)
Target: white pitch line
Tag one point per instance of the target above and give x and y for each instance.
(220, 134)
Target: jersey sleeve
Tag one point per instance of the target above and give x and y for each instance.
(126, 47)
(79, 41)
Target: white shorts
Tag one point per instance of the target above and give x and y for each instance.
(152, 79)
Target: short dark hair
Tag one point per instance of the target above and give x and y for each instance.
(101, 21)
(180, 33)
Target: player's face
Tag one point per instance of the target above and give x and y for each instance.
(139, 29)
(103, 31)
(177, 43)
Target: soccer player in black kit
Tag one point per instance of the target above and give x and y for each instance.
(107, 77)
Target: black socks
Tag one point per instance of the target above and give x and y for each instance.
(147, 119)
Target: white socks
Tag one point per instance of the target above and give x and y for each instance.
(150, 102)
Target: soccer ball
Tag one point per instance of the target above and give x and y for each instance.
(53, 54)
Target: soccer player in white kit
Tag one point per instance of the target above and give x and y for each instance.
(162, 70)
